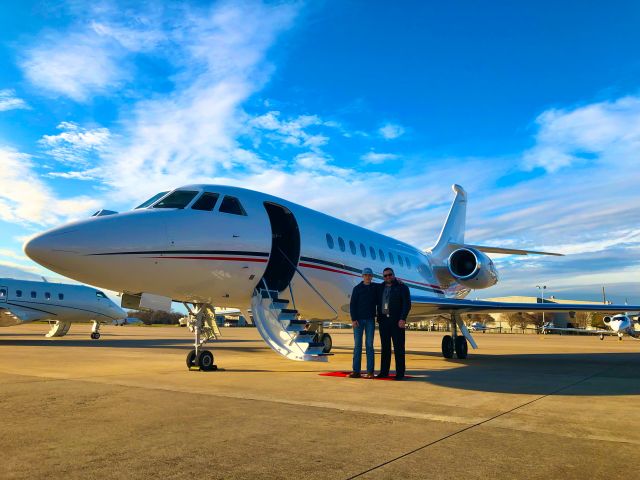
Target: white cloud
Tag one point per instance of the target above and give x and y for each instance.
(598, 133)
(9, 101)
(75, 145)
(24, 197)
(190, 134)
(292, 131)
(376, 158)
(390, 131)
(78, 66)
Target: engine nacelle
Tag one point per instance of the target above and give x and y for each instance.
(472, 268)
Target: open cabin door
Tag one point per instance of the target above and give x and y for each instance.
(285, 247)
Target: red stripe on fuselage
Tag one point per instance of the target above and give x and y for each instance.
(232, 259)
(328, 269)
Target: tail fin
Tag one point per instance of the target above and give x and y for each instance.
(453, 229)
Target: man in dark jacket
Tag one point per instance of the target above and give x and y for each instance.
(364, 300)
(394, 305)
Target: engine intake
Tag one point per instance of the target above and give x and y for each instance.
(472, 268)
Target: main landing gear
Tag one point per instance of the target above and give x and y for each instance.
(454, 343)
(202, 322)
(321, 337)
(95, 331)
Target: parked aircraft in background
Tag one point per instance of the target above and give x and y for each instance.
(23, 301)
(206, 245)
(620, 325)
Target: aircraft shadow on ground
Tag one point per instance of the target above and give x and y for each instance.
(573, 374)
(115, 342)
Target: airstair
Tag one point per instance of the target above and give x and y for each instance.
(58, 329)
(282, 330)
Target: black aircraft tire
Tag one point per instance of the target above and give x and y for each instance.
(191, 359)
(328, 343)
(447, 346)
(205, 360)
(461, 347)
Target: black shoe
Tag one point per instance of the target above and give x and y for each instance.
(354, 375)
(382, 375)
(399, 377)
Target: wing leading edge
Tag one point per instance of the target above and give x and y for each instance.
(436, 306)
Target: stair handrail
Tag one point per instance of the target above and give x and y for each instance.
(308, 282)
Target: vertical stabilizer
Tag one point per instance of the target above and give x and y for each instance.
(453, 229)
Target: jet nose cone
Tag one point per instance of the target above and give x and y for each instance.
(49, 249)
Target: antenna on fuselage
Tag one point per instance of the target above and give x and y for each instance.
(44, 279)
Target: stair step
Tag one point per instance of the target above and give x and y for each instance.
(305, 336)
(316, 344)
(289, 310)
(269, 294)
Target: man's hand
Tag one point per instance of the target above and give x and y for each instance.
(402, 324)
(354, 324)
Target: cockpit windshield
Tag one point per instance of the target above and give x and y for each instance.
(100, 295)
(152, 200)
(178, 199)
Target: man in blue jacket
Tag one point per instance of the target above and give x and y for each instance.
(364, 300)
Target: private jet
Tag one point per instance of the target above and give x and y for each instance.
(620, 325)
(60, 304)
(206, 245)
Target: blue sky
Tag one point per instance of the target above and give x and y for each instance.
(533, 107)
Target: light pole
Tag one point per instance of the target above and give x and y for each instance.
(542, 289)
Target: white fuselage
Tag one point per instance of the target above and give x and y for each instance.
(24, 301)
(622, 324)
(218, 258)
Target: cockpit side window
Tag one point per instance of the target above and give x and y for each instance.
(152, 200)
(178, 199)
(206, 202)
(100, 295)
(232, 205)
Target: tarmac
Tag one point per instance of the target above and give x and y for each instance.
(125, 406)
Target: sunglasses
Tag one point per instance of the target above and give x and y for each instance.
(388, 275)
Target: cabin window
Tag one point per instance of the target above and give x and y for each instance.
(33, 295)
(352, 247)
(100, 295)
(341, 244)
(206, 202)
(47, 295)
(178, 199)
(391, 258)
(18, 293)
(400, 261)
(408, 262)
(232, 205)
(152, 200)
(381, 253)
(330, 241)
(363, 250)
(372, 252)
(61, 296)
(3, 293)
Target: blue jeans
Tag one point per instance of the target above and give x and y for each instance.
(368, 327)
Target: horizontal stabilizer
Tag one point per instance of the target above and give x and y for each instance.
(507, 251)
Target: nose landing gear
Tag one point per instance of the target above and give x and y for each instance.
(95, 331)
(202, 322)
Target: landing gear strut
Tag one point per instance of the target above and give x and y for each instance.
(95, 330)
(454, 343)
(202, 322)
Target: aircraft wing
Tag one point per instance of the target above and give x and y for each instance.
(580, 330)
(14, 314)
(438, 306)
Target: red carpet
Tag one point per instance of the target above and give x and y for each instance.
(346, 374)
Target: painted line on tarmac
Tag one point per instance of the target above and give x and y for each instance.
(483, 422)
